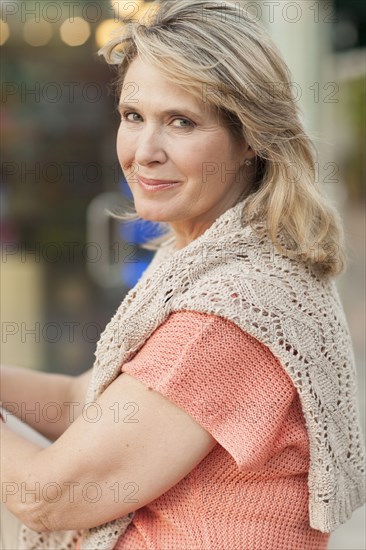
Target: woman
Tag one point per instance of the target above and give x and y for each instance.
(221, 401)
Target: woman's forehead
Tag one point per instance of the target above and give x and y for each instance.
(147, 86)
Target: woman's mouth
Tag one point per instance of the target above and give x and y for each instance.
(156, 185)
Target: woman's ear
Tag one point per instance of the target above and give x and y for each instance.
(249, 153)
(248, 156)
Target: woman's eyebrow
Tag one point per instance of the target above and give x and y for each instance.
(133, 106)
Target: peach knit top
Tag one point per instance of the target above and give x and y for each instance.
(250, 492)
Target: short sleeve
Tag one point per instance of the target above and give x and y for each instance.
(225, 379)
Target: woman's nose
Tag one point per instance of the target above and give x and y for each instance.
(150, 146)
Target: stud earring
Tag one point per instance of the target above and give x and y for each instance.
(248, 162)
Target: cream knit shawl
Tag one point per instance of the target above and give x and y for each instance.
(231, 272)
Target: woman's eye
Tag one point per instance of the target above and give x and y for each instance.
(131, 116)
(187, 123)
(127, 116)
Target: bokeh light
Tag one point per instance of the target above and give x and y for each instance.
(136, 10)
(104, 31)
(75, 32)
(4, 32)
(146, 12)
(126, 8)
(37, 33)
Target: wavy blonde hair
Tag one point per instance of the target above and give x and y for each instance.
(219, 53)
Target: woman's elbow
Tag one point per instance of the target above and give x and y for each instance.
(37, 517)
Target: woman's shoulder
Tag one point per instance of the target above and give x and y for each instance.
(191, 336)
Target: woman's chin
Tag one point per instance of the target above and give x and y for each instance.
(150, 212)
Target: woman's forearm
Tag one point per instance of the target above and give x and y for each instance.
(16, 463)
(42, 400)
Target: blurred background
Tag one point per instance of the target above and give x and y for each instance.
(65, 266)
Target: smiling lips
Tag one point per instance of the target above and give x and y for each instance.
(156, 185)
(155, 182)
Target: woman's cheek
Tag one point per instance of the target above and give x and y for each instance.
(124, 150)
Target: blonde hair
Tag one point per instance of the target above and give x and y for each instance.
(220, 54)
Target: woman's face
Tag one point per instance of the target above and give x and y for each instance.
(167, 134)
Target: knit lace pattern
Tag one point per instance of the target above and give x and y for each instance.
(233, 272)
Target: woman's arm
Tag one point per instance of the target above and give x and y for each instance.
(103, 467)
(78, 389)
(46, 401)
